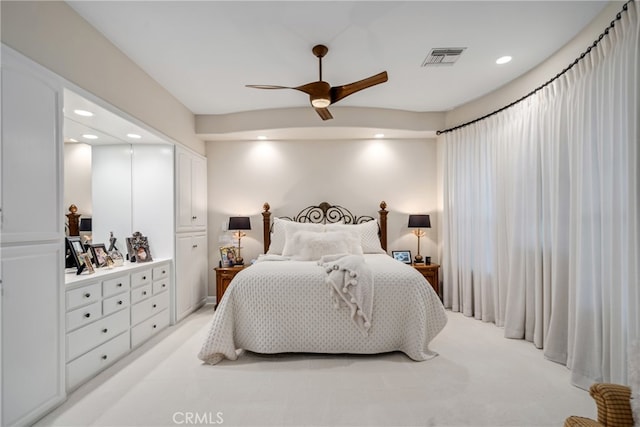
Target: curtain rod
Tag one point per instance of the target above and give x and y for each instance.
(578, 59)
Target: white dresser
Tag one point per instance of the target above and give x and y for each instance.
(110, 312)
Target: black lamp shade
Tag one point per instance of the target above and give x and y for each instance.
(239, 223)
(85, 224)
(419, 221)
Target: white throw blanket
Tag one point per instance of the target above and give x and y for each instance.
(350, 283)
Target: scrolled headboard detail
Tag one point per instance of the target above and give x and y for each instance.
(326, 213)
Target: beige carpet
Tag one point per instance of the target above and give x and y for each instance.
(479, 379)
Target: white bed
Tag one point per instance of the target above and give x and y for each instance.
(284, 303)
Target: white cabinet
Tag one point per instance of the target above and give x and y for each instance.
(191, 192)
(32, 365)
(191, 273)
(111, 312)
(31, 301)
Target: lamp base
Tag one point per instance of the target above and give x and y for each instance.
(239, 261)
(418, 259)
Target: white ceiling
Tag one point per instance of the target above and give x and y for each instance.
(204, 52)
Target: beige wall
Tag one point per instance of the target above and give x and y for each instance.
(291, 175)
(55, 36)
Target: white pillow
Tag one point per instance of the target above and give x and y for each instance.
(291, 227)
(279, 233)
(368, 231)
(311, 246)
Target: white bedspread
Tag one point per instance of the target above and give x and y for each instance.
(286, 306)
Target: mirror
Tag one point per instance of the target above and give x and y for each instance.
(102, 166)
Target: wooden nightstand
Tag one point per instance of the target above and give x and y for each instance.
(224, 275)
(430, 272)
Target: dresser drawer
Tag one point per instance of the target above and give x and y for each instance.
(160, 286)
(161, 272)
(140, 278)
(83, 296)
(86, 366)
(150, 307)
(143, 292)
(83, 315)
(96, 333)
(115, 303)
(115, 286)
(149, 327)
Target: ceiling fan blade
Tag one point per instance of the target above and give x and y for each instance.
(324, 113)
(269, 87)
(339, 92)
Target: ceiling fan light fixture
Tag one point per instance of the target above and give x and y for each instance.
(320, 102)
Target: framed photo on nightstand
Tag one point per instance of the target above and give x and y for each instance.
(402, 256)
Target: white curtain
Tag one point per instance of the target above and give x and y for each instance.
(541, 227)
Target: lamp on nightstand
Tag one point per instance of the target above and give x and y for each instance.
(418, 222)
(239, 223)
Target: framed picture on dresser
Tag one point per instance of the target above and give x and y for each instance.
(99, 253)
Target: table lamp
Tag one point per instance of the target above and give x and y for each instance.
(239, 223)
(418, 222)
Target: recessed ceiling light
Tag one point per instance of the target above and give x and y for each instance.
(83, 113)
(503, 60)
(379, 135)
(89, 136)
(262, 137)
(134, 135)
(73, 140)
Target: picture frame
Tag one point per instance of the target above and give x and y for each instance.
(75, 248)
(227, 256)
(99, 253)
(138, 248)
(402, 256)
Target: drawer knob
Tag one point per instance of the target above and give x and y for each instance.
(195, 246)
(87, 315)
(104, 357)
(155, 326)
(87, 295)
(194, 217)
(164, 272)
(155, 305)
(164, 285)
(119, 285)
(105, 330)
(144, 277)
(119, 302)
(144, 292)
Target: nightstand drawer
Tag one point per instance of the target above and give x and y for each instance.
(143, 292)
(115, 303)
(96, 360)
(115, 286)
(83, 315)
(148, 308)
(149, 327)
(94, 334)
(83, 296)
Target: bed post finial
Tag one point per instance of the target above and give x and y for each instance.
(383, 224)
(266, 226)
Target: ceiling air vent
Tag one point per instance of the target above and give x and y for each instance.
(443, 56)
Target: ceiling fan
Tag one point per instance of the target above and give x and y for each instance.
(321, 94)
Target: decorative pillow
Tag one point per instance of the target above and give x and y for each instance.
(311, 246)
(279, 233)
(368, 232)
(634, 380)
(290, 228)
